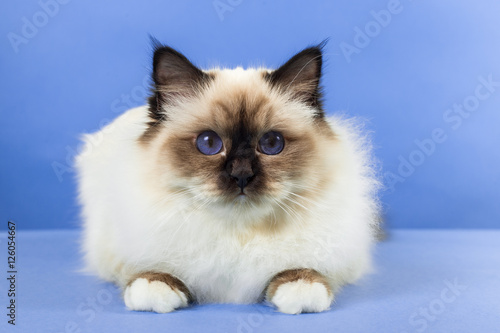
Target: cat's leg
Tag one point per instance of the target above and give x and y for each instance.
(299, 290)
(158, 292)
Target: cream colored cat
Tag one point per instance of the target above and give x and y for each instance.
(231, 186)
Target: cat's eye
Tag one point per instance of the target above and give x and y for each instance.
(209, 143)
(271, 143)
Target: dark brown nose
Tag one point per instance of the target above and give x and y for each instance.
(240, 169)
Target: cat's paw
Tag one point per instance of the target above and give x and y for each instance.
(302, 296)
(157, 296)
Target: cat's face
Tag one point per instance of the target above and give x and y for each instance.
(242, 140)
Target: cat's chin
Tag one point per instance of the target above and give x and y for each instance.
(243, 208)
(241, 197)
(241, 201)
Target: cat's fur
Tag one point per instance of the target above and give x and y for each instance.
(167, 223)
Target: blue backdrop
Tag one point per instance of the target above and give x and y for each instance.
(426, 74)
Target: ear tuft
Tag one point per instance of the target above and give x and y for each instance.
(175, 78)
(300, 76)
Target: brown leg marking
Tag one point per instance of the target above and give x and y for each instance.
(305, 274)
(166, 278)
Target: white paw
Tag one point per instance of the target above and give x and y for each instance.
(144, 295)
(301, 296)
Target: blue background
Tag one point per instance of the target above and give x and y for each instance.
(87, 62)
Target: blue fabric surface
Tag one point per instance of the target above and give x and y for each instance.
(425, 281)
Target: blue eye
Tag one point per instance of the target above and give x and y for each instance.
(271, 143)
(209, 143)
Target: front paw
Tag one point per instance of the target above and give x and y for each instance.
(144, 294)
(297, 291)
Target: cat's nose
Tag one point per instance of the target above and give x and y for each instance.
(243, 180)
(241, 171)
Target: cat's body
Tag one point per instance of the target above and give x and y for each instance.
(170, 223)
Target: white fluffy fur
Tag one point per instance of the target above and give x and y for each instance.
(144, 295)
(302, 296)
(130, 227)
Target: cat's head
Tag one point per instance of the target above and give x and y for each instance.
(245, 142)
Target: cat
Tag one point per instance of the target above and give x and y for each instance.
(230, 186)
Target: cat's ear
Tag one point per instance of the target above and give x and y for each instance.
(174, 76)
(300, 76)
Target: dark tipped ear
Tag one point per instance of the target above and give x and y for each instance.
(174, 76)
(300, 76)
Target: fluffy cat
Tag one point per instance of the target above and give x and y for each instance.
(231, 186)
